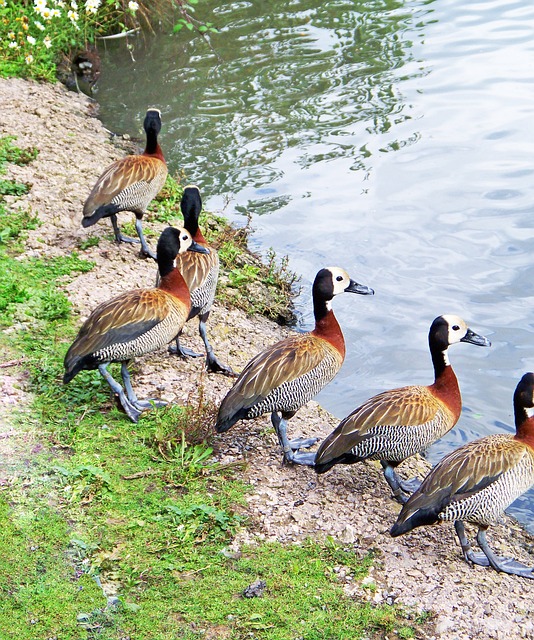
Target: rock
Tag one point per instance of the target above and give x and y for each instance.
(255, 590)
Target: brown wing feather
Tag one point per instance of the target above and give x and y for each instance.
(462, 473)
(195, 267)
(473, 465)
(132, 309)
(120, 175)
(285, 361)
(405, 406)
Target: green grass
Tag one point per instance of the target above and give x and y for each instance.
(143, 511)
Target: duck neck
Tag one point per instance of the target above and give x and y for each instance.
(191, 224)
(445, 384)
(327, 327)
(173, 282)
(152, 147)
(524, 425)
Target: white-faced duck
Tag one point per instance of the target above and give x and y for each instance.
(130, 184)
(201, 272)
(135, 323)
(399, 423)
(476, 483)
(289, 374)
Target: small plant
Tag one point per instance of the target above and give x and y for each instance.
(84, 482)
(10, 153)
(10, 188)
(186, 19)
(200, 522)
(15, 223)
(91, 241)
(54, 305)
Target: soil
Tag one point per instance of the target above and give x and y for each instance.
(423, 570)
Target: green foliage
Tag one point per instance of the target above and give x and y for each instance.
(90, 241)
(28, 287)
(10, 188)
(41, 594)
(14, 155)
(35, 36)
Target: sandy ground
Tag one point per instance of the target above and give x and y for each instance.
(423, 570)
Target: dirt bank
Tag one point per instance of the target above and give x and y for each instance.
(423, 570)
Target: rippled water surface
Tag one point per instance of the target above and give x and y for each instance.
(392, 138)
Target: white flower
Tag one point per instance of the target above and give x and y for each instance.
(45, 13)
(91, 6)
(11, 35)
(31, 39)
(2, 3)
(39, 5)
(133, 6)
(39, 25)
(13, 45)
(55, 13)
(73, 15)
(29, 58)
(73, 5)
(47, 42)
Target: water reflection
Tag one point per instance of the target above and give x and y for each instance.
(392, 138)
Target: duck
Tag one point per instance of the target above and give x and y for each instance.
(477, 482)
(201, 272)
(134, 323)
(130, 184)
(399, 423)
(287, 375)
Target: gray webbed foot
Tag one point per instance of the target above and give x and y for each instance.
(149, 403)
(183, 352)
(304, 459)
(214, 366)
(302, 443)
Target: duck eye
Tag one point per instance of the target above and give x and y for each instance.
(455, 328)
(184, 237)
(339, 278)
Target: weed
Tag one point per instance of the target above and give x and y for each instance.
(91, 241)
(12, 154)
(13, 224)
(10, 188)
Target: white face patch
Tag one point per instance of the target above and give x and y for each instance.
(530, 411)
(185, 240)
(457, 328)
(340, 279)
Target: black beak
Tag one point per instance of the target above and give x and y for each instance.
(198, 248)
(354, 287)
(474, 338)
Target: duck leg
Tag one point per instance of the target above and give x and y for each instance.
(394, 482)
(182, 352)
(409, 486)
(132, 412)
(476, 558)
(150, 403)
(212, 364)
(118, 235)
(506, 565)
(145, 249)
(290, 447)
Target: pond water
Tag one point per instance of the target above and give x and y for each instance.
(391, 138)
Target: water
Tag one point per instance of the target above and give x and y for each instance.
(391, 138)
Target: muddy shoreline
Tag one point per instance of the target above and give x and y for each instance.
(423, 570)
